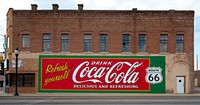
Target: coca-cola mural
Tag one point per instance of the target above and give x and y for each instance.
(102, 74)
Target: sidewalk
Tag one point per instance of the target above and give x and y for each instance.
(97, 94)
(196, 93)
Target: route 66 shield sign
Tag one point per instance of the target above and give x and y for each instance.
(154, 75)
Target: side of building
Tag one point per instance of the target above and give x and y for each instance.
(197, 78)
(99, 32)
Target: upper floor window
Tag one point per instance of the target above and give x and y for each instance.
(103, 42)
(25, 40)
(46, 42)
(126, 43)
(87, 43)
(142, 43)
(163, 43)
(65, 42)
(179, 43)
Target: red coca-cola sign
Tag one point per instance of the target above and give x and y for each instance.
(93, 74)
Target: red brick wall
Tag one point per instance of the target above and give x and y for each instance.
(115, 23)
(21, 90)
(197, 76)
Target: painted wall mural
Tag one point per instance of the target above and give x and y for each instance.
(118, 74)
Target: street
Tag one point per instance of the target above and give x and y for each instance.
(99, 100)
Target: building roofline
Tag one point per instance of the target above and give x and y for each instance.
(80, 9)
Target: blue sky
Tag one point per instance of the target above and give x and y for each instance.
(106, 5)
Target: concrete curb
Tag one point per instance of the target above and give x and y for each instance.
(97, 94)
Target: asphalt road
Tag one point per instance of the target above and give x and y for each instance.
(99, 100)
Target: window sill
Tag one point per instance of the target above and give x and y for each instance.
(143, 53)
(126, 52)
(164, 53)
(47, 52)
(88, 52)
(180, 53)
(65, 52)
(104, 52)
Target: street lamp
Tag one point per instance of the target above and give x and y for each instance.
(16, 75)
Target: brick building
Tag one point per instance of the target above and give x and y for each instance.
(104, 33)
(197, 78)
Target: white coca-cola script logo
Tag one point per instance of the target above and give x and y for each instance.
(94, 74)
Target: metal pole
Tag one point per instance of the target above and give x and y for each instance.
(16, 76)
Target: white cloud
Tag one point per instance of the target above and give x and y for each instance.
(142, 4)
(6, 4)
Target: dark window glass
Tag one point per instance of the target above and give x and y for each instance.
(29, 80)
(20, 80)
(179, 43)
(87, 43)
(46, 42)
(25, 40)
(65, 42)
(24, 80)
(103, 42)
(126, 43)
(8, 79)
(163, 43)
(142, 43)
